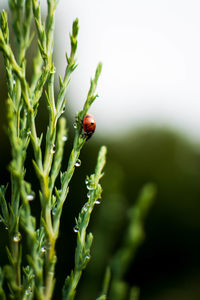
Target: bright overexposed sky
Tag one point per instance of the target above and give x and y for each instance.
(150, 52)
(151, 61)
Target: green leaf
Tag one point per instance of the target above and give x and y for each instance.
(84, 240)
(3, 205)
(134, 293)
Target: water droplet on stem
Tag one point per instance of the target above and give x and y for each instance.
(30, 197)
(97, 202)
(43, 249)
(17, 237)
(84, 208)
(54, 211)
(53, 149)
(28, 291)
(64, 138)
(78, 163)
(76, 229)
(90, 186)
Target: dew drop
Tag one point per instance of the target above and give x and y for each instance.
(28, 291)
(17, 237)
(6, 227)
(86, 181)
(53, 149)
(88, 194)
(84, 208)
(78, 163)
(97, 202)
(76, 229)
(75, 125)
(29, 132)
(54, 211)
(14, 82)
(90, 186)
(30, 197)
(87, 257)
(63, 109)
(43, 249)
(64, 138)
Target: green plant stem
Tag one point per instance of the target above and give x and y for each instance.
(18, 160)
(84, 240)
(119, 290)
(78, 144)
(15, 255)
(23, 101)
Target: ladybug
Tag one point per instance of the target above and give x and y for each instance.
(89, 125)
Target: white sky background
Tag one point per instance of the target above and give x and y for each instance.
(151, 61)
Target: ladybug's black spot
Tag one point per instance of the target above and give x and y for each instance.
(87, 117)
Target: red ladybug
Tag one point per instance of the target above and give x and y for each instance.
(89, 125)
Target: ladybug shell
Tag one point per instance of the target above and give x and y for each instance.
(89, 124)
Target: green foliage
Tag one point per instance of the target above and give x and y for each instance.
(22, 107)
(84, 239)
(114, 285)
(133, 238)
(30, 271)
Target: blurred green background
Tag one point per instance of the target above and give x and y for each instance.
(167, 265)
